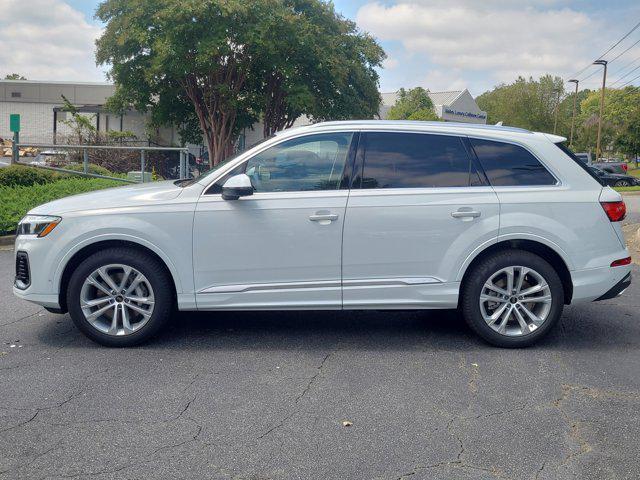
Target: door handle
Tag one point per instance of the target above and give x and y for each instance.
(323, 218)
(465, 214)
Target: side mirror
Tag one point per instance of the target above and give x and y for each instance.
(236, 187)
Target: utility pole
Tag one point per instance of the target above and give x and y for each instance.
(555, 120)
(604, 84)
(573, 116)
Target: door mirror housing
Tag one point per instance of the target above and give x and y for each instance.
(236, 187)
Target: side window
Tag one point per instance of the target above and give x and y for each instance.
(416, 160)
(510, 165)
(314, 162)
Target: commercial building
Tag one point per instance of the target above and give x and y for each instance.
(454, 106)
(43, 120)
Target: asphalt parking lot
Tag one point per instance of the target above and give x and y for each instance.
(263, 396)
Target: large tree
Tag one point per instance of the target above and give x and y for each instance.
(319, 65)
(215, 67)
(529, 104)
(413, 104)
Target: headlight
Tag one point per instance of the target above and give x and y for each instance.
(40, 225)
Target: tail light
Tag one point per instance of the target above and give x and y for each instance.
(625, 167)
(616, 211)
(622, 262)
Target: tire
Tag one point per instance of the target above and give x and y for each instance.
(140, 313)
(622, 183)
(546, 304)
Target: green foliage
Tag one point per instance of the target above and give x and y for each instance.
(628, 140)
(14, 76)
(529, 104)
(413, 104)
(117, 136)
(214, 68)
(16, 201)
(19, 175)
(81, 125)
(92, 168)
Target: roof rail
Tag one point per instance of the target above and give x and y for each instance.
(472, 126)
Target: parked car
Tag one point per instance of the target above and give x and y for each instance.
(616, 179)
(502, 223)
(584, 156)
(611, 166)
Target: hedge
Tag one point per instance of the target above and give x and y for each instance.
(16, 201)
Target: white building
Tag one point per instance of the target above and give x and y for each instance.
(454, 106)
(42, 118)
(39, 104)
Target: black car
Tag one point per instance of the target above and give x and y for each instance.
(616, 179)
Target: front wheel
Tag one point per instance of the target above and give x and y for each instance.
(120, 297)
(512, 298)
(622, 183)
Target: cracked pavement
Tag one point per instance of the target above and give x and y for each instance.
(263, 396)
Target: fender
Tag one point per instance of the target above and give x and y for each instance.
(515, 236)
(57, 277)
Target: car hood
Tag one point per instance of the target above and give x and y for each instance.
(118, 197)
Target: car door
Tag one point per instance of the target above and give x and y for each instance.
(280, 247)
(418, 209)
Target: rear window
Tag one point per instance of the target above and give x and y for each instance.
(562, 146)
(507, 165)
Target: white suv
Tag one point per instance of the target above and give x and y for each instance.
(502, 223)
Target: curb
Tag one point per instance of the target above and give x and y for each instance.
(6, 240)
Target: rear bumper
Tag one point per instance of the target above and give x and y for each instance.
(598, 283)
(617, 289)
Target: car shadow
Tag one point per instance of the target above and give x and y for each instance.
(580, 328)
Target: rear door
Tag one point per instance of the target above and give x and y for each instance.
(417, 210)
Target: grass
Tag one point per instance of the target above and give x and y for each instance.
(627, 189)
(16, 201)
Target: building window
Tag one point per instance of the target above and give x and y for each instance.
(16, 94)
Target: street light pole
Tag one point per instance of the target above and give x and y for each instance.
(604, 83)
(573, 116)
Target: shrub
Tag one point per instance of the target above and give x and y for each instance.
(95, 169)
(20, 175)
(16, 201)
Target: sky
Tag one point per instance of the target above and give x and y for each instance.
(435, 44)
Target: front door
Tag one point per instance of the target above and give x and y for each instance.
(281, 247)
(418, 208)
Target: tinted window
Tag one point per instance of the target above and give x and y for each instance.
(314, 162)
(414, 160)
(595, 174)
(509, 165)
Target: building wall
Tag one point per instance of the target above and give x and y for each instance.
(36, 121)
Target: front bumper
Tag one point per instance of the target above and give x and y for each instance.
(43, 260)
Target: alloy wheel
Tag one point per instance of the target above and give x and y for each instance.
(117, 299)
(515, 301)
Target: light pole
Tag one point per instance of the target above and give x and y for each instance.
(604, 83)
(573, 117)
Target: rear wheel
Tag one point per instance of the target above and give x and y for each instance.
(512, 298)
(622, 183)
(120, 297)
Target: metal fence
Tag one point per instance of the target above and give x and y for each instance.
(85, 149)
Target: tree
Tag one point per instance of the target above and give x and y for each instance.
(413, 104)
(628, 141)
(529, 104)
(319, 65)
(14, 76)
(214, 68)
